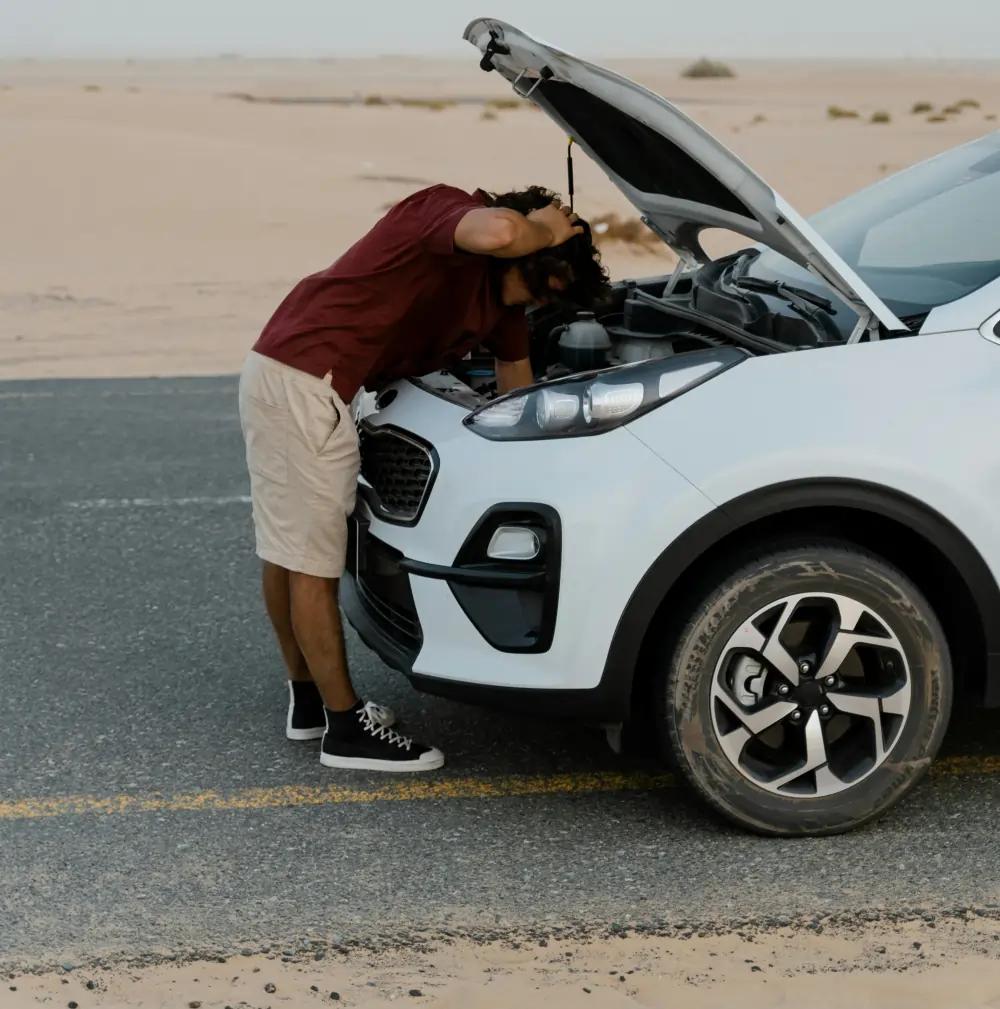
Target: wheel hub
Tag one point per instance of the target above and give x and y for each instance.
(810, 694)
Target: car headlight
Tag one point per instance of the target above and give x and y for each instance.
(598, 401)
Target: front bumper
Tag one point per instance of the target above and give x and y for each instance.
(617, 504)
(511, 603)
(375, 597)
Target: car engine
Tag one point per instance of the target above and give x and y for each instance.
(640, 321)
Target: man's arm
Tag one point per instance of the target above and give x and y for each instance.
(497, 231)
(513, 375)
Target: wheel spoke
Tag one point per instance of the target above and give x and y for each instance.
(897, 703)
(847, 638)
(815, 753)
(851, 612)
(864, 707)
(733, 742)
(843, 645)
(774, 651)
(757, 721)
(769, 648)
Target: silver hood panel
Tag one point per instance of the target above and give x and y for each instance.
(677, 175)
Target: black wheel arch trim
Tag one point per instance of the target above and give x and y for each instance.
(677, 559)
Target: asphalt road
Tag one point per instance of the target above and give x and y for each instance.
(149, 801)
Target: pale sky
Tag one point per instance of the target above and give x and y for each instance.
(726, 28)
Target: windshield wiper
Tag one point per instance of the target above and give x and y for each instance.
(791, 293)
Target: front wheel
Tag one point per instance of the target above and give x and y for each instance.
(808, 692)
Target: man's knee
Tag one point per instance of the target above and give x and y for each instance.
(301, 582)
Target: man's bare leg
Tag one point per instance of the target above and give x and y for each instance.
(277, 599)
(315, 620)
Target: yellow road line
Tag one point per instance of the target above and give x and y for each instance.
(956, 766)
(394, 790)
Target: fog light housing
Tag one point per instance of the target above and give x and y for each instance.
(514, 543)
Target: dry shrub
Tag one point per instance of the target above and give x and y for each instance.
(375, 100)
(837, 112)
(707, 68)
(881, 117)
(938, 118)
(919, 107)
(488, 113)
(504, 103)
(968, 103)
(991, 116)
(758, 119)
(92, 87)
(952, 110)
(434, 104)
(628, 230)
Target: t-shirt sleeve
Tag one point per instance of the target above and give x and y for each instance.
(509, 340)
(439, 212)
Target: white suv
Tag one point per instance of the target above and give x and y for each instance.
(761, 520)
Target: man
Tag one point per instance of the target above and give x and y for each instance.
(441, 273)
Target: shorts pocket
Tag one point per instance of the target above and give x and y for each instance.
(265, 426)
(327, 427)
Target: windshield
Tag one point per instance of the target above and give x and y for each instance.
(920, 239)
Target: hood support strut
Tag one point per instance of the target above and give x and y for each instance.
(867, 323)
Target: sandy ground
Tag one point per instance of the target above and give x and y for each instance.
(151, 223)
(947, 964)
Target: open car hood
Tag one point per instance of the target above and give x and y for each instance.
(678, 176)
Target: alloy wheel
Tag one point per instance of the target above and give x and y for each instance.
(810, 694)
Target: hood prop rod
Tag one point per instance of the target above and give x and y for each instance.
(867, 324)
(569, 173)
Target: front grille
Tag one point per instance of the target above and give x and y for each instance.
(399, 469)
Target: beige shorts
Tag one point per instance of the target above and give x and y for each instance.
(302, 453)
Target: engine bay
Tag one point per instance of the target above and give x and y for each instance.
(716, 305)
(642, 320)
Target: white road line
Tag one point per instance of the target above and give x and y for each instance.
(158, 502)
(226, 391)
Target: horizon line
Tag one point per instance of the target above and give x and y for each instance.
(237, 57)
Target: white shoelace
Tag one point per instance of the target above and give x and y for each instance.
(379, 713)
(379, 731)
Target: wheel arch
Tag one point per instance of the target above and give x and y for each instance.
(925, 545)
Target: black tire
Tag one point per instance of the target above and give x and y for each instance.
(688, 662)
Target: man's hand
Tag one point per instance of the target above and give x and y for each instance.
(560, 221)
(497, 231)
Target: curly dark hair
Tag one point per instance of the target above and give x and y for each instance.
(577, 262)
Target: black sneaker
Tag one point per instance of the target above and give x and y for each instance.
(306, 719)
(355, 739)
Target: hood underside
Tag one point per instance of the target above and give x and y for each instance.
(678, 176)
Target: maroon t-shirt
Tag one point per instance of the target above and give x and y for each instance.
(401, 301)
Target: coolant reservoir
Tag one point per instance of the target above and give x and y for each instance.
(633, 347)
(584, 343)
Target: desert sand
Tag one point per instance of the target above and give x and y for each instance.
(948, 964)
(152, 221)
(153, 217)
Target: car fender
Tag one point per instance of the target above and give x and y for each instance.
(684, 553)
